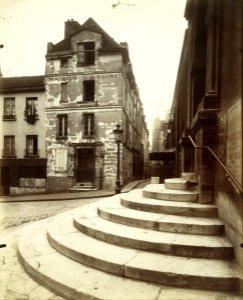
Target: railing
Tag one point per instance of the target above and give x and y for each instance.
(238, 185)
(9, 153)
(31, 153)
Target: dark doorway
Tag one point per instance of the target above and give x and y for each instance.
(85, 165)
(5, 180)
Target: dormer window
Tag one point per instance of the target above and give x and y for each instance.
(86, 53)
(31, 110)
(64, 62)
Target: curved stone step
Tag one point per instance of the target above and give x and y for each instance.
(206, 274)
(159, 191)
(75, 281)
(151, 240)
(179, 184)
(135, 200)
(113, 211)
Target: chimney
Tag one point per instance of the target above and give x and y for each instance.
(70, 27)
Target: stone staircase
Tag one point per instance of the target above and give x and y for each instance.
(146, 244)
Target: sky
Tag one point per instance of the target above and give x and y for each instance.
(153, 29)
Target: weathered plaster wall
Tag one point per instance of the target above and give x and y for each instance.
(108, 89)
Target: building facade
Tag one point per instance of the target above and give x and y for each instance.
(22, 142)
(207, 109)
(90, 88)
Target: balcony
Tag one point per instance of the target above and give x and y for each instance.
(31, 117)
(29, 153)
(9, 117)
(9, 153)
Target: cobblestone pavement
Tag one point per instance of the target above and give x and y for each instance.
(16, 213)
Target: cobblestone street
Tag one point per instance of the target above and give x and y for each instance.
(16, 213)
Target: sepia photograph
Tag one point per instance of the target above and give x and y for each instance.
(121, 163)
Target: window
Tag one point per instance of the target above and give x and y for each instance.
(9, 109)
(64, 92)
(89, 125)
(88, 90)
(64, 62)
(86, 53)
(62, 126)
(9, 146)
(31, 145)
(31, 110)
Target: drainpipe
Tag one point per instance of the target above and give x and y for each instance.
(241, 51)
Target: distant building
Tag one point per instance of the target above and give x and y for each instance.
(90, 87)
(161, 135)
(22, 141)
(207, 107)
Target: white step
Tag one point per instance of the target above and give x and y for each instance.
(159, 191)
(189, 176)
(151, 240)
(179, 184)
(113, 211)
(73, 280)
(141, 265)
(135, 200)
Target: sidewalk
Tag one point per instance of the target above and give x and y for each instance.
(74, 195)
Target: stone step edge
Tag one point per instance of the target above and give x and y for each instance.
(157, 222)
(223, 251)
(134, 270)
(168, 207)
(100, 284)
(180, 184)
(158, 191)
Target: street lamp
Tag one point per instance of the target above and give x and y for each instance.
(118, 132)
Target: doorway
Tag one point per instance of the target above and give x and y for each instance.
(85, 165)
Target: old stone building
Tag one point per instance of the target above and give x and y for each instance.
(207, 109)
(90, 88)
(22, 141)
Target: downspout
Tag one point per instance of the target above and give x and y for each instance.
(241, 51)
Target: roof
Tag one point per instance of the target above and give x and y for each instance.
(108, 45)
(22, 84)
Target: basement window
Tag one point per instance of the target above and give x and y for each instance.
(88, 90)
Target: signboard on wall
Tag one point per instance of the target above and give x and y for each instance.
(234, 141)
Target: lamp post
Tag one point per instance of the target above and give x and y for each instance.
(118, 132)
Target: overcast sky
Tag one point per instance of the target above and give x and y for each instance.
(153, 29)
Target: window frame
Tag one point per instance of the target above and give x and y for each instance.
(9, 149)
(62, 126)
(11, 115)
(64, 92)
(35, 151)
(89, 90)
(86, 53)
(88, 125)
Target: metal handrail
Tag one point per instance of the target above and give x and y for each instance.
(240, 188)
